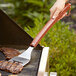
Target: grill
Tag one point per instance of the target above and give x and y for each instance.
(13, 36)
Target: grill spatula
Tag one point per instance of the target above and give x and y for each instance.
(25, 57)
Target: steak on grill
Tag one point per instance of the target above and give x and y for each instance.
(8, 66)
(9, 52)
(1, 62)
(4, 64)
(13, 67)
(18, 68)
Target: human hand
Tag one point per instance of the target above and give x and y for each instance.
(57, 8)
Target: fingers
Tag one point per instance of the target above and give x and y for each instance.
(56, 13)
(57, 8)
(63, 16)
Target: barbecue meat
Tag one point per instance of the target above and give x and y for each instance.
(18, 68)
(4, 64)
(9, 52)
(0, 48)
(8, 66)
(13, 67)
(1, 62)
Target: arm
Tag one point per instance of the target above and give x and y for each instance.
(57, 8)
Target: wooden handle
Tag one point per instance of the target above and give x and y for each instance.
(49, 24)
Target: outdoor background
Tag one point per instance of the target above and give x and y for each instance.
(32, 15)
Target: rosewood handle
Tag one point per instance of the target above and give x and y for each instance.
(48, 25)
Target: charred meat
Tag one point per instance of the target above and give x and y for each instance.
(4, 64)
(8, 66)
(9, 52)
(18, 68)
(13, 67)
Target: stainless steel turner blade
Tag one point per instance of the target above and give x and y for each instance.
(23, 58)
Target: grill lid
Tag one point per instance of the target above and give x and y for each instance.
(11, 33)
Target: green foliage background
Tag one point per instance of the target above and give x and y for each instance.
(32, 16)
